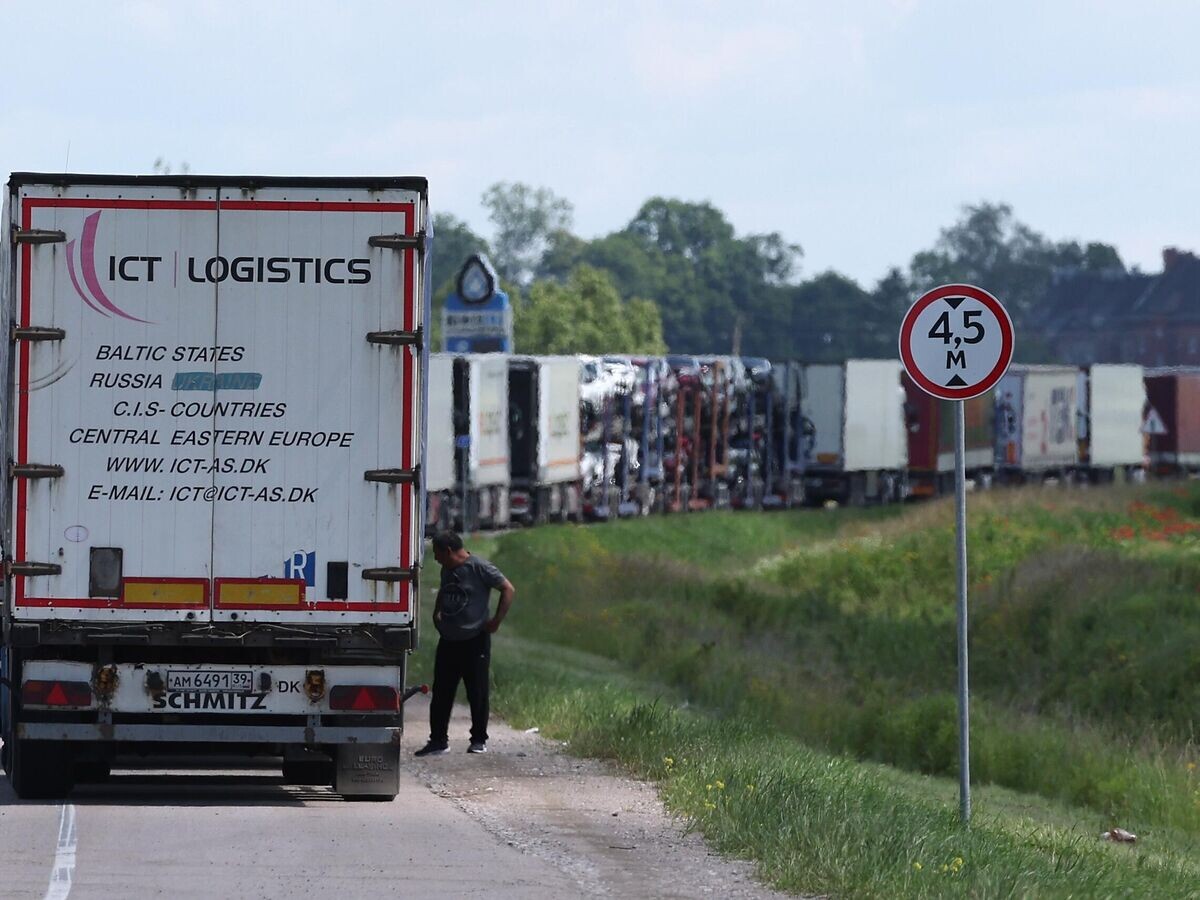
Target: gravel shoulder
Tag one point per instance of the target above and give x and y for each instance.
(607, 832)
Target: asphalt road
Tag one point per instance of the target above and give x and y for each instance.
(244, 834)
(525, 821)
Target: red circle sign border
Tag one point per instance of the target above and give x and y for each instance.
(1006, 349)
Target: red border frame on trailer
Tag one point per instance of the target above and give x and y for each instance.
(28, 204)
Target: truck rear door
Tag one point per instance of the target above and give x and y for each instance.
(316, 418)
(103, 302)
(217, 403)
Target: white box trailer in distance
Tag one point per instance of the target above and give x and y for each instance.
(1035, 421)
(440, 473)
(859, 449)
(544, 442)
(214, 419)
(1112, 401)
(479, 445)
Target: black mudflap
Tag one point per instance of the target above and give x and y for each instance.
(367, 771)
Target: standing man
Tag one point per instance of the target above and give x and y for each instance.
(461, 616)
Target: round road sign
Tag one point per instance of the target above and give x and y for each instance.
(956, 341)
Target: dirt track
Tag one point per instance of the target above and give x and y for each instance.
(606, 832)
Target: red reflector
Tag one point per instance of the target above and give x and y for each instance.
(364, 698)
(56, 693)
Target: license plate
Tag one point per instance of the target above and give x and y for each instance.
(211, 680)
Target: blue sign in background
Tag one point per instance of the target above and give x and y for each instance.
(481, 323)
(484, 327)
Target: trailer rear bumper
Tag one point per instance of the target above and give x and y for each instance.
(226, 734)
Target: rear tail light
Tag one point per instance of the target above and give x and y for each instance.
(56, 693)
(364, 698)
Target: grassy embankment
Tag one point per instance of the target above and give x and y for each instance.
(817, 642)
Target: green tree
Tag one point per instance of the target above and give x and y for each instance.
(990, 248)
(526, 220)
(453, 243)
(644, 322)
(585, 314)
(835, 319)
(707, 281)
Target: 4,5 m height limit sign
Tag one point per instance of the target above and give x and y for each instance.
(956, 342)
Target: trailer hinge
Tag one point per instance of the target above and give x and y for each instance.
(398, 241)
(35, 470)
(398, 338)
(391, 573)
(394, 476)
(38, 236)
(37, 333)
(24, 567)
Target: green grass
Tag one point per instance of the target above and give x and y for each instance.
(829, 635)
(815, 822)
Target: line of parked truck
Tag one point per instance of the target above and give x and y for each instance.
(529, 439)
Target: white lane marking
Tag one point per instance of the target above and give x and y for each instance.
(64, 856)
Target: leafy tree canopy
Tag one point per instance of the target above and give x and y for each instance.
(585, 314)
(525, 219)
(706, 289)
(990, 248)
(453, 243)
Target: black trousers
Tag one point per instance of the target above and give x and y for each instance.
(466, 660)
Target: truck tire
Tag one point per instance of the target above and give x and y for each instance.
(40, 770)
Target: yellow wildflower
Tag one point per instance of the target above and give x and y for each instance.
(708, 787)
(720, 785)
(668, 762)
(917, 866)
(1191, 767)
(750, 788)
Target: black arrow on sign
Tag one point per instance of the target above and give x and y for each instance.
(955, 301)
(956, 381)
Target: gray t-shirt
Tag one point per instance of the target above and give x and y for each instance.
(463, 598)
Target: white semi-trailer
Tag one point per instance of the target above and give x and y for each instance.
(859, 448)
(440, 473)
(1035, 422)
(1111, 403)
(476, 387)
(543, 438)
(212, 513)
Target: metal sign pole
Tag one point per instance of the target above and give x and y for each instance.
(964, 716)
(956, 343)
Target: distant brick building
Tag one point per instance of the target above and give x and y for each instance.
(1153, 320)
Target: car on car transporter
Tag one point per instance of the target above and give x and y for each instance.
(212, 516)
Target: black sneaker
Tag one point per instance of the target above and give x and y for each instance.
(432, 749)
(477, 747)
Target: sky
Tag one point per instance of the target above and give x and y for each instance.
(858, 129)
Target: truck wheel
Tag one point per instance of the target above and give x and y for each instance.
(40, 770)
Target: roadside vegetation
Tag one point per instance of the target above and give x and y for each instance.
(788, 678)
